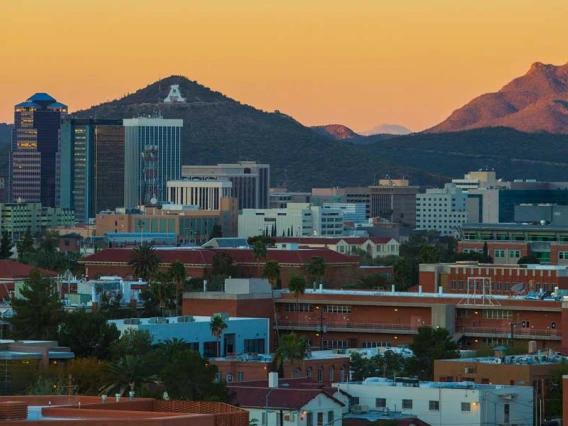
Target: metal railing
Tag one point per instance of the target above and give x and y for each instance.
(520, 333)
(349, 325)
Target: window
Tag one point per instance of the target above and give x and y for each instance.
(466, 406)
(453, 285)
(406, 404)
(301, 307)
(380, 402)
(497, 314)
(355, 400)
(331, 373)
(310, 419)
(499, 253)
(240, 376)
(209, 349)
(320, 374)
(309, 372)
(434, 405)
(337, 309)
(563, 255)
(330, 416)
(514, 253)
(254, 346)
(263, 421)
(460, 285)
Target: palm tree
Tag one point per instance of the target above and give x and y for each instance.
(128, 373)
(177, 273)
(291, 348)
(272, 272)
(164, 290)
(171, 347)
(297, 286)
(259, 252)
(217, 325)
(316, 268)
(144, 261)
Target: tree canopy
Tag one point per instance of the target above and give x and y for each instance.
(291, 347)
(144, 261)
(428, 345)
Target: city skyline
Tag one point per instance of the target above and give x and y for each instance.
(359, 64)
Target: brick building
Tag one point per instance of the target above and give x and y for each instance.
(198, 262)
(453, 278)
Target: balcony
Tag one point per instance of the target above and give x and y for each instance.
(348, 326)
(518, 333)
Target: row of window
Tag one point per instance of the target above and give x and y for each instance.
(407, 404)
(309, 418)
(305, 307)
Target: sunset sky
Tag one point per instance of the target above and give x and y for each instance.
(358, 62)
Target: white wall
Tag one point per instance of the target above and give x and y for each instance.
(487, 407)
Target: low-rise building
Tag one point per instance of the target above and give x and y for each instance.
(242, 335)
(17, 218)
(14, 273)
(438, 403)
(374, 246)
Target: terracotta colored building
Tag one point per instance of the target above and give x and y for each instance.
(498, 279)
(198, 262)
(12, 272)
(70, 243)
(78, 410)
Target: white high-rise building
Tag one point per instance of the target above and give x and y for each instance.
(443, 210)
(152, 157)
(206, 194)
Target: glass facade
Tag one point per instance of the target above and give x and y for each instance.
(510, 197)
(91, 164)
(34, 149)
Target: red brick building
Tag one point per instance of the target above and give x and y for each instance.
(198, 262)
(70, 243)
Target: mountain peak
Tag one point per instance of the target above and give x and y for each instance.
(388, 129)
(336, 132)
(534, 102)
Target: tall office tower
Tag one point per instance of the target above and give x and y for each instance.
(91, 166)
(34, 148)
(152, 157)
(250, 180)
(395, 201)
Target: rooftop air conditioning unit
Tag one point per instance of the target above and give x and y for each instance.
(186, 318)
(132, 321)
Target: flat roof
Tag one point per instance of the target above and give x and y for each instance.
(511, 227)
(410, 383)
(526, 359)
(179, 320)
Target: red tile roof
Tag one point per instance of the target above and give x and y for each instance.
(205, 256)
(279, 398)
(11, 269)
(293, 383)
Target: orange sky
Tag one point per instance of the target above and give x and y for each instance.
(356, 62)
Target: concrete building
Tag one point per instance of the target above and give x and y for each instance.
(91, 166)
(242, 334)
(443, 210)
(394, 200)
(298, 219)
(280, 197)
(478, 179)
(17, 218)
(355, 195)
(152, 157)
(438, 403)
(190, 225)
(508, 242)
(3, 189)
(207, 195)
(373, 246)
(250, 181)
(34, 149)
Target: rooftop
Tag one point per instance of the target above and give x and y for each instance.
(416, 383)
(279, 398)
(13, 270)
(540, 358)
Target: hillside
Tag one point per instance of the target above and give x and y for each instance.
(535, 102)
(219, 129)
(336, 132)
(513, 154)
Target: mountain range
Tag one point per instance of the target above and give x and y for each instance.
(535, 102)
(387, 129)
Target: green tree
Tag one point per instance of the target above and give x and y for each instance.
(372, 281)
(87, 374)
(531, 259)
(189, 377)
(362, 367)
(263, 239)
(164, 291)
(217, 325)
(26, 246)
(38, 313)
(259, 252)
(428, 345)
(144, 261)
(291, 348)
(5, 246)
(317, 268)
(429, 254)
(554, 392)
(132, 342)
(216, 232)
(177, 273)
(87, 334)
(271, 271)
(169, 348)
(404, 269)
(128, 373)
(222, 264)
(297, 287)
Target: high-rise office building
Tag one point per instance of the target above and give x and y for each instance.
(152, 157)
(91, 166)
(250, 180)
(394, 200)
(34, 149)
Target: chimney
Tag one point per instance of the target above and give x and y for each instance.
(273, 380)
